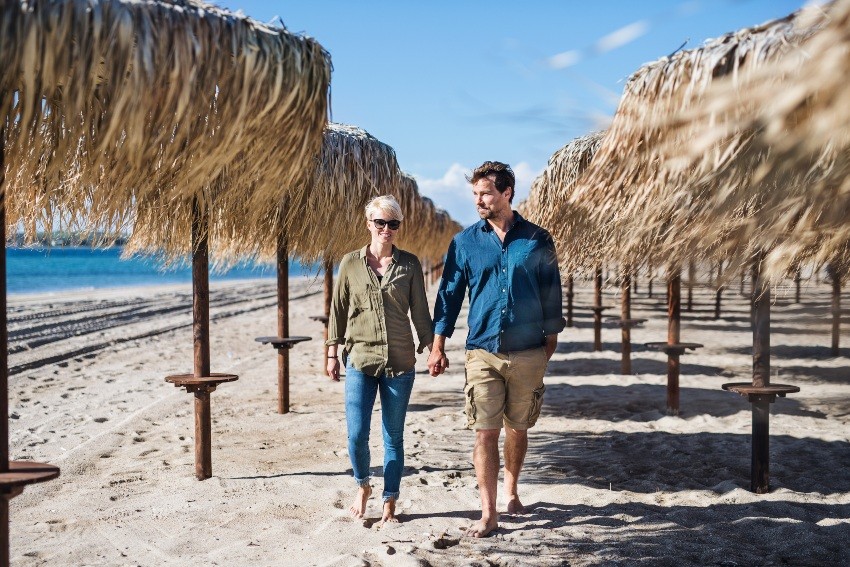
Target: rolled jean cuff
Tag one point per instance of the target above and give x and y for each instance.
(362, 482)
(390, 495)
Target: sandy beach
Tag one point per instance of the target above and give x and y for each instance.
(610, 479)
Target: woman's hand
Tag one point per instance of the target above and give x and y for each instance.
(333, 369)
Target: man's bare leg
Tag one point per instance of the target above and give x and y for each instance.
(516, 445)
(485, 456)
(389, 512)
(358, 507)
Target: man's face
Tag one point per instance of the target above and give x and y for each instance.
(489, 202)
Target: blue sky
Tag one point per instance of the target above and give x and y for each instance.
(451, 84)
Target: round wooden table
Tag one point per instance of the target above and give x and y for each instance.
(676, 348)
(23, 473)
(282, 342)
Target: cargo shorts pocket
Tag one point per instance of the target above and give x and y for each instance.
(536, 404)
(470, 404)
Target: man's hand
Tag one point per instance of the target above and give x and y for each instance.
(438, 362)
(551, 345)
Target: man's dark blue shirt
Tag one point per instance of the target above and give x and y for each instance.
(514, 287)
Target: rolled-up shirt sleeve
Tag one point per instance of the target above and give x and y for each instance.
(551, 300)
(451, 292)
(338, 319)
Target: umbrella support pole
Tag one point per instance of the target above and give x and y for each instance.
(797, 278)
(282, 325)
(835, 278)
(570, 295)
(14, 475)
(201, 382)
(626, 331)
(674, 307)
(597, 310)
(692, 274)
(760, 393)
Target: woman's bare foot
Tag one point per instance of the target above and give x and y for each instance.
(482, 527)
(358, 507)
(514, 505)
(389, 512)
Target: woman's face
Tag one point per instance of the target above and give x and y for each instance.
(383, 234)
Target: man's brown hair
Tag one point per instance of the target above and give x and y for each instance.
(504, 176)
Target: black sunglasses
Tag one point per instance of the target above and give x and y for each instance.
(392, 224)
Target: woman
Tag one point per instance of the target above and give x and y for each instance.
(376, 288)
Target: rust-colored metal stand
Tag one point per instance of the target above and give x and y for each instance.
(760, 393)
(570, 294)
(674, 348)
(14, 475)
(201, 382)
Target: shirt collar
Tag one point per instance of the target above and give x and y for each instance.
(486, 227)
(396, 253)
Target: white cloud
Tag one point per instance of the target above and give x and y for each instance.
(564, 60)
(622, 36)
(453, 193)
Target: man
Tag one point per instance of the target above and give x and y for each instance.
(511, 270)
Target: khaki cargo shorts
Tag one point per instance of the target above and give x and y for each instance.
(504, 388)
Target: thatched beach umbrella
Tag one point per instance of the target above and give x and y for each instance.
(545, 206)
(138, 108)
(325, 220)
(672, 210)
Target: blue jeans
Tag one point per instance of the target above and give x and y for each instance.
(360, 390)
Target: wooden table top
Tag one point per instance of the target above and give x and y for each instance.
(192, 380)
(747, 388)
(282, 342)
(22, 473)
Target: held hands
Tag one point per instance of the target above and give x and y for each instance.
(438, 362)
(333, 369)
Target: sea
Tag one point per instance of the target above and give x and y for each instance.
(54, 269)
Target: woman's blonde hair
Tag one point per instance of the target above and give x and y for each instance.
(385, 203)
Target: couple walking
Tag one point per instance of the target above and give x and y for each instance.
(509, 269)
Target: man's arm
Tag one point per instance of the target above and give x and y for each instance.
(447, 308)
(551, 301)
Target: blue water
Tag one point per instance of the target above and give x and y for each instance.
(32, 270)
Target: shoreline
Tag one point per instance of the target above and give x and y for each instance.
(136, 290)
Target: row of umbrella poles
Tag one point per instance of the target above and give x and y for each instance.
(230, 163)
(688, 171)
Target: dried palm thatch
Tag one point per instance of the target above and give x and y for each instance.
(552, 190)
(648, 208)
(112, 104)
(326, 219)
(781, 137)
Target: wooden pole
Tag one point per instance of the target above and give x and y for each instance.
(835, 276)
(626, 315)
(282, 324)
(797, 278)
(743, 272)
(570, 300)
(328, 289)
(692, 275)
(201, 338)
(719, 292)
(635, 281)
(649, 283)
(597, 313)
(4, 365)
(760, 461)
(674, 309)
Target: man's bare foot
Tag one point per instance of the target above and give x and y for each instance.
(389, 512)
(514, 505)
(358, 507)
(482, 528)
